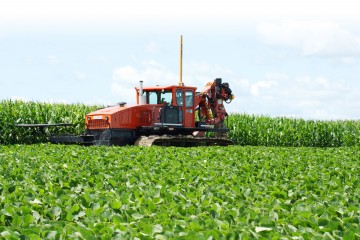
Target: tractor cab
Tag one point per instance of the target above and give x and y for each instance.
(173, 105)
(159, 97)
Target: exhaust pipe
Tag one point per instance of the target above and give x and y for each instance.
(142, 98)
(141, 89)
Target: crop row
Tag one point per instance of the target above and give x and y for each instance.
(244, 129)
(19, 112)
(72, 192)
(280, 131)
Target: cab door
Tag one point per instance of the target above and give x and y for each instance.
(185, 101)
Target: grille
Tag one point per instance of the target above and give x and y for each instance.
(97, 123)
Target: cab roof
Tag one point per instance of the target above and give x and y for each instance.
(160, 88)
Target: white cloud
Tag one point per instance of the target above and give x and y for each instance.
(316, 98)
(169, 13)
(241, 86)
(125, 79)
(108, 11)
(195, 74)
(51, 101)
(151, 47)
(52, 60)
(347, 61)
(312, 38)
(321, 86)
(19, 98)
(277, 94)
(309, 97)
(256, 89)
(80, 75)
(153, 73)
(307, 82)
(199, 73)
(126, 75)
(98, 60)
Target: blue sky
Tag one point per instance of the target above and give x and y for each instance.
(281, 58)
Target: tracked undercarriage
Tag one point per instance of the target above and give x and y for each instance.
(181, 141)
(122, 138)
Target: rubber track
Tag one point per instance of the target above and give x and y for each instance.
(181, 141)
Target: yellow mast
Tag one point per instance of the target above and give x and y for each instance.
(181, 56)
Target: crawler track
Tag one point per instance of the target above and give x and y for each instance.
(181, 141)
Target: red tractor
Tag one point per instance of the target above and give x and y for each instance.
(174, 115)
(164, 115)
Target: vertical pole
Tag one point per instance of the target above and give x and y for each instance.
(181, 56)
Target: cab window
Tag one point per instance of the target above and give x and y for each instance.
(189, 98)
(159, 97)
(166, 97)
(179, 98)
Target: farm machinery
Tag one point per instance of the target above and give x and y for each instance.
(175, 115)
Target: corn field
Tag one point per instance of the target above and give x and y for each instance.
(244, 129)
(19, 112)
(280, 131)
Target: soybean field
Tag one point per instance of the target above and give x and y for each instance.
(72, 192)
